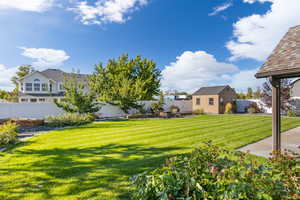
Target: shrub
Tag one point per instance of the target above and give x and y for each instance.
(199, 112)
(69, 119)
(214, 173)
(174, 109)
(253, 108)
(229, 108)
(291, 113)
(8, 133)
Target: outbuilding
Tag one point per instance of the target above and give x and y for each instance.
(213, 99)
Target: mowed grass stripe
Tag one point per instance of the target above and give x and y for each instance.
(96, 161)
(133, 136)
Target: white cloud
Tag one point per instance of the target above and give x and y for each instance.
(5, 77)
(106, 11)
(244, 79)
(45, 57)
(27, 5)
(256, 36)
(261, 1)
(218, 9)
(193, 70)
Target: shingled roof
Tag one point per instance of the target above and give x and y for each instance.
(285, 59)
(58, 75)
(210, 90)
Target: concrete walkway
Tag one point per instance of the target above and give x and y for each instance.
(289, 140)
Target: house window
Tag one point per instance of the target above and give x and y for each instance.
(61, 87)
(198, 101)
(28, 86)
(37, 87)
(44, 87)
(42, 100)
(211, 101)
(24, 100)
(50, 87)
(33, 100)
(22, 87)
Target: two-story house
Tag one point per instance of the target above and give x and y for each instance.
(44, 86)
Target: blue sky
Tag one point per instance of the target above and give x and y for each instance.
(194, 42)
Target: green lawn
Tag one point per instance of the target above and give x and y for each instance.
(97, 160)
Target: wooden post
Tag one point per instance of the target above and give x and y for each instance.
(276, 121)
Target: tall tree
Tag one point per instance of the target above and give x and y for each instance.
(285, 98)
(125, 81)
(77, 100)
(23, 70)
(257, 93)
(249, 93)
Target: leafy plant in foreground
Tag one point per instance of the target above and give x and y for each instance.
(214, 173)
(8, 133)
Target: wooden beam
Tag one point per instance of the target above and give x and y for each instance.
(276, 119)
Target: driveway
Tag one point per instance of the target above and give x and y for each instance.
(289, 140)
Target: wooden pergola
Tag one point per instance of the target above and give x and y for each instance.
(284, 62)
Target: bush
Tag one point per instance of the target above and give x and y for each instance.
(69, 119)
(199, 112)
(253, 108)
(174, 109)
(229, 108)
(291, 113)
(214, 173)
(8, 133)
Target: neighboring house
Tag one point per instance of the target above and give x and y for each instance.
(45, 86)
(295, 89)
(295, 94)
(213, 99)
(177, 97)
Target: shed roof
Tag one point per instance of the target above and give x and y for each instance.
(210, 90)
(284, 61)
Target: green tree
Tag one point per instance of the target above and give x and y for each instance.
(124, 82)
(257, 93)
(76, 99)
(23, 70)
(3, 94)
(241, 96)
(249, 93)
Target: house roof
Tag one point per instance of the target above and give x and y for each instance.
(210, 90)
(59, 75)
(284, 61)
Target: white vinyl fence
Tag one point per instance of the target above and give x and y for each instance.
(243, 104)
(42, 110)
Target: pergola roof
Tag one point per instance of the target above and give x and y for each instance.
(284, 62)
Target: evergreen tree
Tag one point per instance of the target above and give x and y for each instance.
(76, 99)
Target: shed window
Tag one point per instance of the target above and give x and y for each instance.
(28, 86)
(211, 101)
(198, 101)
